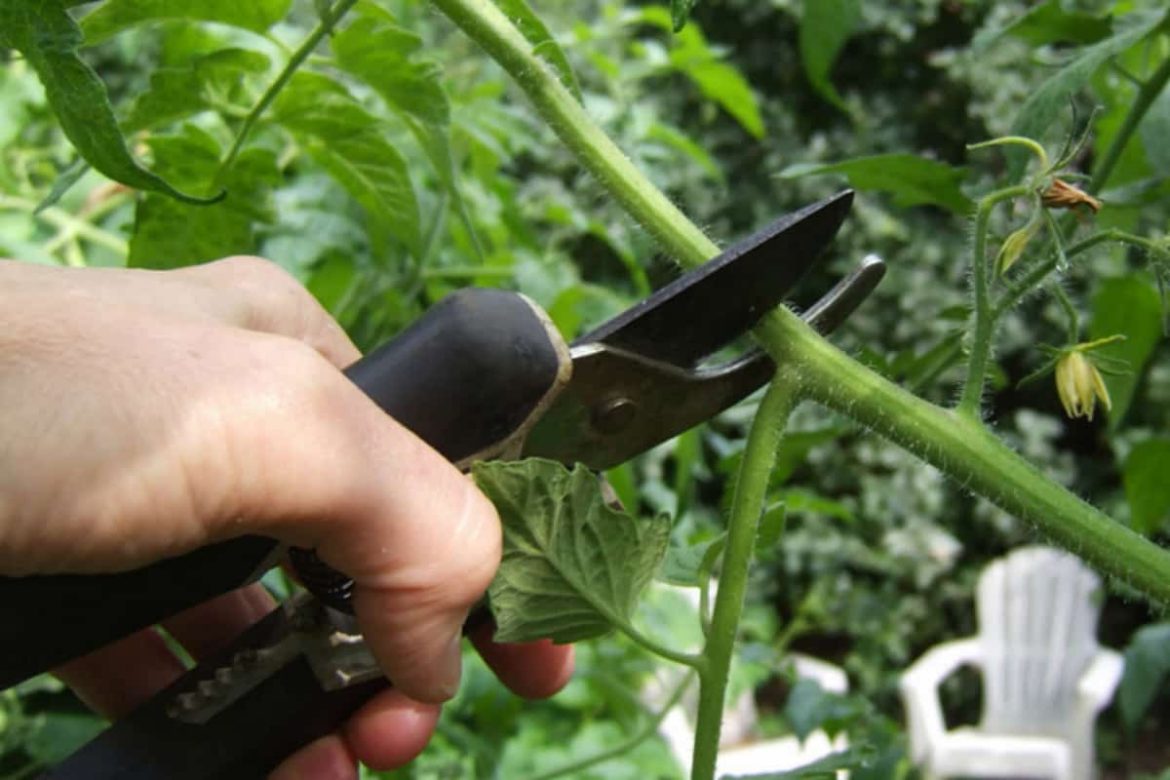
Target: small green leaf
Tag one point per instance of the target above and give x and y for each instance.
(1129, 306)
(114, 16)
(351, 145)
(1050, 22)
(1052, 97)
(716, 79)
(911, 180)
(810, 707)
(47, 36)
(1147, 662)
(680, 12)
(171, 234)
(543, 44)
(573, 567)
(825, 26)
(685, 562)
(177, 93)
(1146, 488)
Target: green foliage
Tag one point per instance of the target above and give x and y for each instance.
(1131, 307)
(48, 38)
(1146, 487)
(115, 16)
(1052, 98)
(911, 180)
(825, 27)
(1147, 662)
(573, 568)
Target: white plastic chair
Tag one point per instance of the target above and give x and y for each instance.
(1045, 678)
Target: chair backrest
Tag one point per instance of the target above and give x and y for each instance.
(1038, 610)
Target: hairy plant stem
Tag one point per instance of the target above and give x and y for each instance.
(1150, 89)
(966, 451)
(298, 57)
(751, 489)
(983, 319)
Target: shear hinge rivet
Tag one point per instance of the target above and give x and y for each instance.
(614, 415)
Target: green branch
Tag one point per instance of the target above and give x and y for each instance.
(751, 489)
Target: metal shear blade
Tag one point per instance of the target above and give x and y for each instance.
(635, 380)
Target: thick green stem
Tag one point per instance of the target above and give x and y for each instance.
(965, 450)
(983, 319)
(1151, 88)
(748, 504)
(297, 59)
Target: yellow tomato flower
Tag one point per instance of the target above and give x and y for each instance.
(1079, 384)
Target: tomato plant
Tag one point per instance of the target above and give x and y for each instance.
(368, 149)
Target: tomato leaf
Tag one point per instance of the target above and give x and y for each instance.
(1147, 662)
(171, 234)
(1052, 97)
(350, 143)
(1051, 22)
(1130, 306)
(543, 44)
(383, 56)
(1154, 131)
(1146, 488)
(114, 16)
(824, 28)
(45, 33)
(179, 92)
(573, 567)
(911, 180)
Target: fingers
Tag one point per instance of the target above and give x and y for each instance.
(534, 670)
(117, 678)
(327, 758)
(209, 627)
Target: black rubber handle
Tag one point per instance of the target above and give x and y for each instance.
(465, 376)
(247, 739)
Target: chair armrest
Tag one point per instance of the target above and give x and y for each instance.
(1100, 679)
(919, 689)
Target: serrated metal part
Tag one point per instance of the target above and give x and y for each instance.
(326, 639)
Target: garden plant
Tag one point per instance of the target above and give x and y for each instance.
(1009, 382)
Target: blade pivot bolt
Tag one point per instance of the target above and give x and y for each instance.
(614, 415)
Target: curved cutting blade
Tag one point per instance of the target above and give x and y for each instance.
(707, 308)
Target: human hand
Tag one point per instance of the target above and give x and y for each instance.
(144, 414)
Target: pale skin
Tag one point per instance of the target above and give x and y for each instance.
(145, 413)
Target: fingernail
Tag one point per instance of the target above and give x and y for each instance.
(451, 667)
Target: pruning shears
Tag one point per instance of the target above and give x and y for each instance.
(483, 374)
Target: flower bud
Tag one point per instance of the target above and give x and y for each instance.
(1014, 245)
(1079, 385)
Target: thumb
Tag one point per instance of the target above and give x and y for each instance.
(379, 505)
